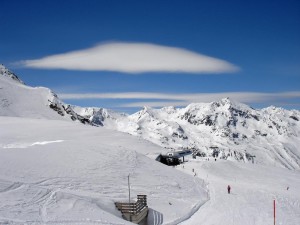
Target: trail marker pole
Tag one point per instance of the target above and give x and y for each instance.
(129, 188)
(274, 210)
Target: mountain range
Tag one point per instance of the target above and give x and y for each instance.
(224, 129)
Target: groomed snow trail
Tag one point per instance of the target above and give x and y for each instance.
(254, 188)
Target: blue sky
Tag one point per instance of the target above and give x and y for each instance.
(155, 53)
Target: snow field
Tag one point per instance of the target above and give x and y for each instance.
(77, 180)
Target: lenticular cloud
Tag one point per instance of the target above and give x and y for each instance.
(133, 58)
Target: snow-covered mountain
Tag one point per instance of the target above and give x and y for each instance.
(54, 170)
(18, 99)
(7, 73)
(224, 129)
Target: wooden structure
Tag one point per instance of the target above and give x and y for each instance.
(134, 212)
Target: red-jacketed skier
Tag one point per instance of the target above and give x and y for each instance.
(228, 189)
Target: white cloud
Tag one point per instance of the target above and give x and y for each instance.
(163, 99)
(133, 58)
(154, 104)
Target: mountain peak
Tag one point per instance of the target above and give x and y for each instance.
(229, 102)
(146, 111)
(7, 73)
(226, 100)
(146, 108)
(232, 105)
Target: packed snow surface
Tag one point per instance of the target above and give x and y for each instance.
(77, 177)
(253, 189)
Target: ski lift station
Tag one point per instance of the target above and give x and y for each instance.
(173, 158)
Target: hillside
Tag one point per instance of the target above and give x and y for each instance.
(62, 172)
(20, 100)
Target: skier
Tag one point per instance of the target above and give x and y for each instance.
(228, 189)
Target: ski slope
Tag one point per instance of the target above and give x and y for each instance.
(253, 189)
(59, 172)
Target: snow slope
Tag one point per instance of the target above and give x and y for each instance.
(66, 173)
(253, 189)
(60, 172)
(20, 100)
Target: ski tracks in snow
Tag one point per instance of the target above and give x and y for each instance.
(11, 187)
(154, 217)
(43, 208)
(46, 203)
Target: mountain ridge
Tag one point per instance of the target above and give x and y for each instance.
(223, 129)
(7, 73)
